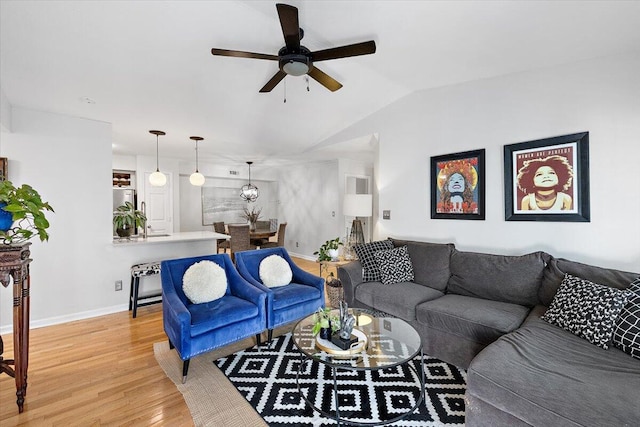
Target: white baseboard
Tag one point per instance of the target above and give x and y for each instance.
(68, 318)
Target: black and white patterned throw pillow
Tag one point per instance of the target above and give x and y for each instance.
(365, 252)
(394, 265)
(626, 334)
(586, 309)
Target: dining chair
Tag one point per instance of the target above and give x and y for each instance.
(280, 242)
(218, 227)
(285, 304)
(196, 328)
(263, 225)
(240, 239)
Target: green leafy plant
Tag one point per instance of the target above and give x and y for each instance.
(324, 319)
(28, 213)
(323, 252)
(128, 217)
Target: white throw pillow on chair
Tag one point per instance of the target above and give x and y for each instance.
(204, 281)
(275, 271)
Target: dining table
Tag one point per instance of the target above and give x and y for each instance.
(259, 237)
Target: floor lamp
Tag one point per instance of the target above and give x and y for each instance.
(357, 206)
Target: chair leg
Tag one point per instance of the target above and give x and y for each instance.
(136, 289)
(258, 340)
(185, 369)
(131, 294)
(171, 346)
(270, 335)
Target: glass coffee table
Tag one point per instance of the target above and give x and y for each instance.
(385, 342)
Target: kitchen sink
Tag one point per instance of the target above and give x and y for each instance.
(157, 235)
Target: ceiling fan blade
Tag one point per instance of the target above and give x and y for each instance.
(277, 77)
(290, 26)
(241, 54)
(357, 49)
(324, 79)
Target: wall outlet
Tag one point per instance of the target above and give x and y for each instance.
(296, 244)
(118, 285)
(386, 214)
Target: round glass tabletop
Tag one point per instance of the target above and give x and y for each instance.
(384, 342)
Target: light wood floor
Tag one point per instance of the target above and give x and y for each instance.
(96, 372)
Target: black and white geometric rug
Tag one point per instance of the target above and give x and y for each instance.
(266, 377)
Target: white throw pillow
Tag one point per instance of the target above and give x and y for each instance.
(275, 271)
(204, 281)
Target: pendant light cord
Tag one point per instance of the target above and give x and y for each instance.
(157, 155)
(197, 156)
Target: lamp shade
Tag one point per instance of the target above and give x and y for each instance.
(157, 179)
(358, 205)
(196, 179)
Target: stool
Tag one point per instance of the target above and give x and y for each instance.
(135, 299)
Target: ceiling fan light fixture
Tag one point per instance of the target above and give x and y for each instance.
(157, 179)
(295, 68)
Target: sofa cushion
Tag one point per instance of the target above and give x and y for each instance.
(626, 334)
(480, 320)
(430, 262)
(512, 279)
(586, 309)
(394, 265)
(557, 267)
(546, 376)
(365, 252)
(399, 299)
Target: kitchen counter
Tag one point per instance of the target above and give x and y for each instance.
(188, 236)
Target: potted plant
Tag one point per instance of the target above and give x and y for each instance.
(329, 250)
(325, 323)
(251, 216)
(126, 219)
(22, 214)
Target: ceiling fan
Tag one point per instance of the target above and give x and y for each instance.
(295, 59)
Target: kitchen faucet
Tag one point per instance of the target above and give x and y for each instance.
(143, 208)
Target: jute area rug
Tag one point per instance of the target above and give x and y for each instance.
(220, 405)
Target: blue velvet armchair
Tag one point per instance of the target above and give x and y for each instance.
(303, 296)
(193, 329)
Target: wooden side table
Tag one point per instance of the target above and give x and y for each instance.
(14, 264)
(324, 265)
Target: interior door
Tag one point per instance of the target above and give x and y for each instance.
(159, 206)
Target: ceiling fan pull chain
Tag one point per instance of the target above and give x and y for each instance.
(306, 78)
(285, 90)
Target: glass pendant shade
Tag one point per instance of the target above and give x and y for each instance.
(196, 178)
(249, 192)
(157, 179)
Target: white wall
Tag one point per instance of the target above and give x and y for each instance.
(311, 205)
(600, 96)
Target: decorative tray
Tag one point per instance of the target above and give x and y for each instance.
(356, 348)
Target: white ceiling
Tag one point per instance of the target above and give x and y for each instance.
(147, 64)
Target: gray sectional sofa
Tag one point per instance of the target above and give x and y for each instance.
(482, 312)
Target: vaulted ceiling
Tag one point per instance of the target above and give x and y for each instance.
(144, 65)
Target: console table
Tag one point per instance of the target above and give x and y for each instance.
(14, 264)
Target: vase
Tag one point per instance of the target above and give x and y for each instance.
(6, 218)
(333, 253)
(124, 232)
(252, 226)
(325, 333)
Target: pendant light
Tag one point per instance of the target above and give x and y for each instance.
(157, 179)
(249, 192)
(196, 178)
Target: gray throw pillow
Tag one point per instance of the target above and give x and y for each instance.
(586, 309)
(394, 265)
(365, 252)
(626, 334)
